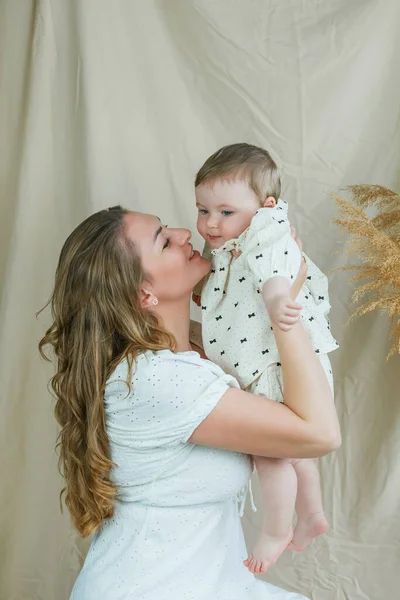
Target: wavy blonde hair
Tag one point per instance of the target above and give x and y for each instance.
(97, 322)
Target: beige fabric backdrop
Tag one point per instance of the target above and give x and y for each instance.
(119, 102)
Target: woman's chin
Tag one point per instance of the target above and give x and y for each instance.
(200, 268)
(206, 265)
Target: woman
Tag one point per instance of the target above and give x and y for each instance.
(154, 439)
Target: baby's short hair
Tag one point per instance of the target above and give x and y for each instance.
(243, 162)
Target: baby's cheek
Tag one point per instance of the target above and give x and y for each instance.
(201, 227)
(232, 230)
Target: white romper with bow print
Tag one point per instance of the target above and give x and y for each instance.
(236, 329)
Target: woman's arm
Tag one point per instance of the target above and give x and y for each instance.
(306, 426)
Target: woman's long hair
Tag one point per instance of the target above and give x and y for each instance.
(97, 322)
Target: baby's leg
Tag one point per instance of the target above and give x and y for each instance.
(278, 483)
(311, 520)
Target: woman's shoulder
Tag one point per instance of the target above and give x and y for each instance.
(164, 365)
(165, 390)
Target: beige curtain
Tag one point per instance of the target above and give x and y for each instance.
(120, 102)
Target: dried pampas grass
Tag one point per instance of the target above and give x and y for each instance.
(376, 241)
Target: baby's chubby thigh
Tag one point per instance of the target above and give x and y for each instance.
(269, 383)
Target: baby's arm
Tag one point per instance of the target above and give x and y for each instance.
(274, 259)
(282, 309)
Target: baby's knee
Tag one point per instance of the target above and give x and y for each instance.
(267, 463)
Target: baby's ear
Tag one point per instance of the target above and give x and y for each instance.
(269, 202)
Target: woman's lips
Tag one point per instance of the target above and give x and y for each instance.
(196, 254)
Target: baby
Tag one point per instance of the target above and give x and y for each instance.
(248, 239)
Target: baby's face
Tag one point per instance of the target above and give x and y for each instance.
(225, 210)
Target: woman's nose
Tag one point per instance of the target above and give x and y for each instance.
(182, 236)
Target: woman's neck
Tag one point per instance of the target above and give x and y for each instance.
(176, 320)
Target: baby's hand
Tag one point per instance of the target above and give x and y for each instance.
(280, 300)
(196, 299)
(283, 311)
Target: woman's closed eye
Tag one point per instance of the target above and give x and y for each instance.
(167, 241)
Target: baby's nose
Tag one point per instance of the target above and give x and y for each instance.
(212, 221)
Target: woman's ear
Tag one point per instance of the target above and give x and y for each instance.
(147, 299)
(269, 202)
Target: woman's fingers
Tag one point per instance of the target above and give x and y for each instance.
(291, 310)
(302, 274)
(299, 281)
(299, 243)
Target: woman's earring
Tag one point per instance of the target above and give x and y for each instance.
(154, 301)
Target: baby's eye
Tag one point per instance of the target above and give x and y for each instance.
(227, 213)
(203, 211)
(166, 244)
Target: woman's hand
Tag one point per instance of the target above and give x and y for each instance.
(302, 272)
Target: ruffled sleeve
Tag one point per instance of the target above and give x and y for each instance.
(170, 395)
(270, 250)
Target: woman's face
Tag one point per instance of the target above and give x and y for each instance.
(171, 267)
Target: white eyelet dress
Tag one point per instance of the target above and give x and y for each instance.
(176, 532)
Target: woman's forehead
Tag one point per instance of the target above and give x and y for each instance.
(141, 226)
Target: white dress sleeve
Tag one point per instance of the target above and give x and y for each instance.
(171, 394)
(270, 250)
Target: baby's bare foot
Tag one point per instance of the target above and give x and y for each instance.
(267, 551)
(308, 529)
